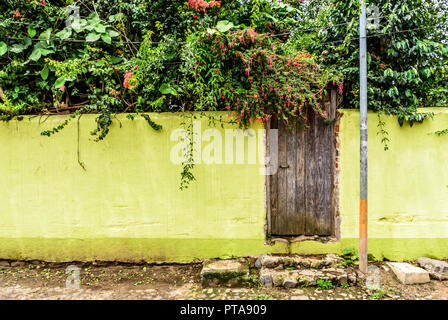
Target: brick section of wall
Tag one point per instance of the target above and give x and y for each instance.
(335, 204)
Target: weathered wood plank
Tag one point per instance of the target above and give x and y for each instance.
(273, 189)
(310, 173)
(282, 218)
(291, 160)
(323, 218)
(333, 115)
(300, 217)
(320, 161)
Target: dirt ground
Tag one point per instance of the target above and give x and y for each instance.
(38, 280)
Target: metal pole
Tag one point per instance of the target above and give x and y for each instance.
(363, 139)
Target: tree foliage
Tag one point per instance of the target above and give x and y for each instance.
(140, 55)
(407, 56)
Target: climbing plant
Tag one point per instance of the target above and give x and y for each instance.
(407, 54)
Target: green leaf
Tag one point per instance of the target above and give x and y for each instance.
(89, 26)
(167, 89)
(27, 42)
(224, 26)
(115, 59)
(31, 31)
(36, 54)
(93, 18)
(100, 28)
(78, 25)
(211, 31)
(46, 34)
(3, 48)
(106, 38)
(270, 17)
(64, 34)
(44, 73)
(113, 33)
(92, 37)
(59, 82)
(17, 48)
(46, 52)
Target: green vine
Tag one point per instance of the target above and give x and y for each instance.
(414, 117)
(382, 131)
(78, 147)
(103, 123)
(255, 12)
(151, 123)
(188, 165)
(48, 133)
(441, 132)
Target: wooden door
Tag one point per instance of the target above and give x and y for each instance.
(301, 191)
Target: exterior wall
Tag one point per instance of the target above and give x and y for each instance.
(407, 186)
(127, 205)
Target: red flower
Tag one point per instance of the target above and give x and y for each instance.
(16, 14)
(42, 3)
(202, 5)
(341, 88)
(128, 76)
(195, 17)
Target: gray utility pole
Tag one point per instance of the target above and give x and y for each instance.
(363, 138)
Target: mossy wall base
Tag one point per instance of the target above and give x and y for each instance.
(190, 250)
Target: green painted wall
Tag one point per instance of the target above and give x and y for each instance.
(127, 205)
(407, 186)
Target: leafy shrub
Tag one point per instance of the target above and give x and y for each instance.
(350, 256)
(324, 284)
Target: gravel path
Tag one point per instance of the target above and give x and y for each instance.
(122, 282)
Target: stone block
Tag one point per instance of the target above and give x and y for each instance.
(409, 274)
(437, 269)
(289, 283)
(227, 273)
(266, 281)
(4, 263)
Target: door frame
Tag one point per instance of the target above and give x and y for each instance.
(335, 216)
